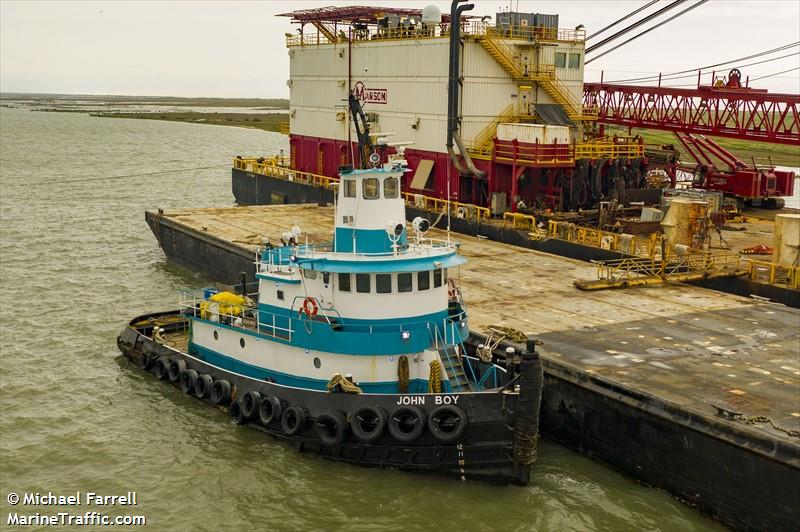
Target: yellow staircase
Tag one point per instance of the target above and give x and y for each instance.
(481, 147)
(545, 76)
(325, 30)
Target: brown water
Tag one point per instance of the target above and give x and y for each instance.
(78, 260)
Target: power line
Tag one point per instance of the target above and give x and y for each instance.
(162, 172)
(629, 15)
(698, 4)
(693, 74)
(758, 54)
(633, 26)
(776, 73)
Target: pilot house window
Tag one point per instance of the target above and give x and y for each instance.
(371, 187)
(423, 280)
(349, 188)
(437, 278)
(390, 188)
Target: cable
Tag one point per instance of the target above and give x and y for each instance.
(633, 26)
(162, 172)
(758, 54)
(776, 73)
(629, 15)
(694, 74)
(673, 17)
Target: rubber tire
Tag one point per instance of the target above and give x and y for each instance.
(394, 424)
(292, 428)
(221, 392)
(339, 428)
(250, 404)
(368, 436)
(145, 362)
(175, 367)
(435, 419)
(236, 412)
(203, 385)
(161, 368)
(270, 410)
(186, 380)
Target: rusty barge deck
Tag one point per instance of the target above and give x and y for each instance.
(681, 387)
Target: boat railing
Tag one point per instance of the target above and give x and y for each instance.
(481, 379)
(196, 303)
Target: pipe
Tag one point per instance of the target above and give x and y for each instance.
(453, 85)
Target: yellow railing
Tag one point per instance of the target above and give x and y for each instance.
(519, 221)
(607, 147)
(683, 267)
(640, 246)
(772, 273)
(475, 29)
(278, 167)
(284, 128)
(459, 210)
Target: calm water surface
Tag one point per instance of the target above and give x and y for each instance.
(78, 261)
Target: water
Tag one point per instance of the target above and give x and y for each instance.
(78, 261)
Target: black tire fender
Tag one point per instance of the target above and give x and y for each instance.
(331, 428)
(270, 410)
(250, 404)
(145, 362)
(187, 380)
(236, 412)
(368, 423)
(176, 366)
(221, 392)
(447, 423)
(407, 423)
(293, 420)
(203, 385)
(161, 368)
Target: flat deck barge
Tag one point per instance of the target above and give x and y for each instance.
(681, 387)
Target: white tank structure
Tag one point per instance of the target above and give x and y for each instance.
(786, 240)
(396, 61)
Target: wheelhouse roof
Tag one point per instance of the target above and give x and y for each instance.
(352, 14)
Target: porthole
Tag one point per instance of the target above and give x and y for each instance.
(241, 342)
(317, 362)
(216, 335)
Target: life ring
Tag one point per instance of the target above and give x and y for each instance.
(293, 420)
(310, 307)
(236, 412)
(407, 423)
(221, 392)
(161, 368)
(270, 410)
(176, 366)
(331, 428)
(203, 385)
(250, 403)
(368, 423)
(187, 379)
(447, 423)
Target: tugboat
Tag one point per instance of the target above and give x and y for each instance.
(356, 349)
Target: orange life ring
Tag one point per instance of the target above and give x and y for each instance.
(310, 307)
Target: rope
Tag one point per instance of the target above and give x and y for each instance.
(435, 380)
(402, 373)
(49, 182)
(339, 383)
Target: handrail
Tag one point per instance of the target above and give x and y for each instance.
(461, 210)
(772, 273)
(519, 220)
(275, 168)
(591, 236)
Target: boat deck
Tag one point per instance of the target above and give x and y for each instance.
(695, 348)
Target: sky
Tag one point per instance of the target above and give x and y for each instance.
(237, 49)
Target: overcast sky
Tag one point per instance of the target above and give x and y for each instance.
(236, 49)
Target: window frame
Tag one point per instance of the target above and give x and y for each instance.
(380, 286)
(437, 279)
(348, 283)
(563, 57)
(346, 186)
(409, 287)
(427, 277)
(576, 57)
(364, 182)
(396, 188)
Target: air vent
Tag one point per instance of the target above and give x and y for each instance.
(347, 219)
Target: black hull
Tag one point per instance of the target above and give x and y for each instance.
(498, 444)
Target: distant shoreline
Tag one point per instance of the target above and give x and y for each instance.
(262, 121)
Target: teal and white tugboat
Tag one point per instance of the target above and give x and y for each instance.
(355, 349)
